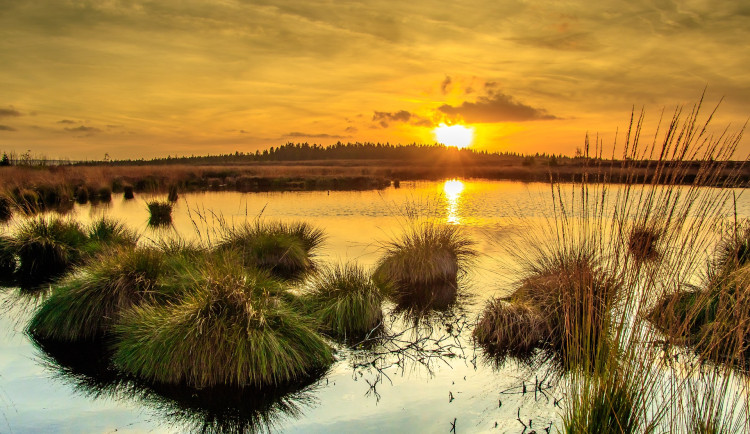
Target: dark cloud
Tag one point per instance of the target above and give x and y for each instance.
(9, 112)
(495, 107)
(297, 134)
(351, 130)
(385, 118)
(66, 121)
(6, 128)
(445, 86)
(84, 129)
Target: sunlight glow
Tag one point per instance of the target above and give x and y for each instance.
(453, 189)
(458, 136)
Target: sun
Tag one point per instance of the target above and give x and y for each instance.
(458, 136)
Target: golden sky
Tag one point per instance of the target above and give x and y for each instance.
(81, 78)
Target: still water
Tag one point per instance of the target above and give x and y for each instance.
(429, 379)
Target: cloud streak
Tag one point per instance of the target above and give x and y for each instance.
(9, 112)
(6, 128)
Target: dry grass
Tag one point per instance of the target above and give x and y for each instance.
(511, 328)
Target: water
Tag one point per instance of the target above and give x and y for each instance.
(429, 379)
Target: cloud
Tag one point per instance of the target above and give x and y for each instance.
(9, 112)
(351, 129)
(6, 128)
(298, 134)
(66, 121)
(495, 107)
(84, 129)
(385, 118)
(445, 86)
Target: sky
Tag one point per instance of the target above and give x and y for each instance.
(140, 79)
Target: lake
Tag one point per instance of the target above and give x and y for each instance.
(429, 378)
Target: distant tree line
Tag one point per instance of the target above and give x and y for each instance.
(340, 151)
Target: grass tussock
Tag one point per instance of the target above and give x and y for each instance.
(285, 249)
(643, 242)
(48, 246)
(160, 213)
(714, 319)
(345, 301)
(7, 258)
(510, 328)
(128, 192)
(6, 209)
(85, 305)
(233, 329)
(105, 231)
(426, 261)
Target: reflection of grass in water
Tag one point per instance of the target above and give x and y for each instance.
(220, 410)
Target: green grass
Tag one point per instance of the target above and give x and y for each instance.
(285, 249)
(160, 213)
(85, 305)
(345, 300)
(48, 246)
(233, 329)
(7, 258)
(105, 231)
(426, 261)
(606, 406)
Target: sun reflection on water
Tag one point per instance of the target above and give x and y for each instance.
(453, 189)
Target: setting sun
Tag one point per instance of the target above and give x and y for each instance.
(458, 136)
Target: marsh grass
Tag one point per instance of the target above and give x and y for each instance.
(287, 250)
(48, 247)
(345, 300)
(425, 262)
(86, 304)
(7, 258)
(104, 193)
(82, 195)
(643, 242)
(160, 213)
(106, 231)
(6, 209)
(583, 269)
(506, 328)
(128, 192)
(233, 329)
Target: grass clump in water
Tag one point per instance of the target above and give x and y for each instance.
(346, 301)
(127, 192)
(108, 232)
(6, 210)
(160, 213)
(643, 241)
(425, 263)
(510, 328)
(606, 405)
(7, 258)
(86, 304)
(233, 329)
(285, 249)
(173, 194)
(47, 247)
